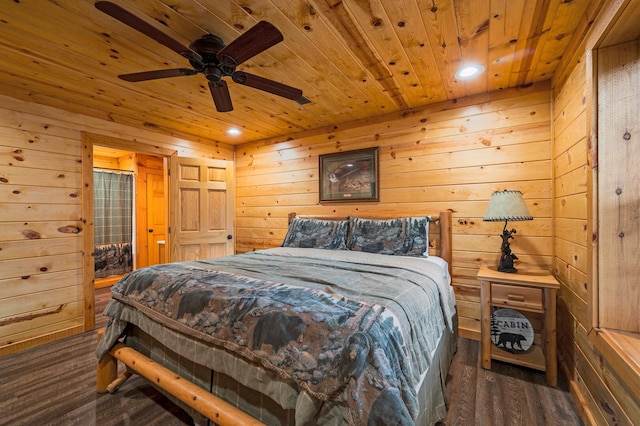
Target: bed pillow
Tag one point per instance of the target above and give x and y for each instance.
(401, 237)
(316, 233)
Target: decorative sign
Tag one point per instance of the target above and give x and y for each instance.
(511, 331)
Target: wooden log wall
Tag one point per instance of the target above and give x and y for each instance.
(605, 386)
(124, 162)
(571, 261)
(44, 293)
(447, 156)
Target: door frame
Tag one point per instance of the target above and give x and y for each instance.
(88, 141)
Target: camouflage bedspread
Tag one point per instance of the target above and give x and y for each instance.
(349, 327)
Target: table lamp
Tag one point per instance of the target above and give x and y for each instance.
(507, 205)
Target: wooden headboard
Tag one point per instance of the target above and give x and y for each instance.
(440, 231)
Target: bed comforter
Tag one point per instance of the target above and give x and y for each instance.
(352, 328)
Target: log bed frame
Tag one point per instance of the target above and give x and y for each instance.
(207, 404)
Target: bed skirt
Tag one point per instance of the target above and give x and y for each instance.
(259, 392)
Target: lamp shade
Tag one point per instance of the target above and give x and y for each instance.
(507, 205)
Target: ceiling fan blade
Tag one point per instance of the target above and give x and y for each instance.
(145, 28)
(258, 38)
(267, 85)
(154, 75)
(221, 96)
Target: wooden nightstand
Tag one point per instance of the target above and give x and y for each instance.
(533, 294)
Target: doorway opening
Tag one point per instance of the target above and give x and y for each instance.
(149, 245)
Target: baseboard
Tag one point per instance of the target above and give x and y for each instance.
(578, 398)
(22, 345)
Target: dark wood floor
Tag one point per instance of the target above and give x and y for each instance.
(55, 385)
(505, 395)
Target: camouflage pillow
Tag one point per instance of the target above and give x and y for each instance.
(316, 233)
(402, 237)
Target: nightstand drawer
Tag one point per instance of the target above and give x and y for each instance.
(516, 296)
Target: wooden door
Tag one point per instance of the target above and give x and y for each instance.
(157, 247)
(151, 211)
(202, 198)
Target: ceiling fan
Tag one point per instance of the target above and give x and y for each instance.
(209, 55)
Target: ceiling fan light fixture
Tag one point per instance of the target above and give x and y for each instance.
(213, 73)
(469, 71)
(210, 56)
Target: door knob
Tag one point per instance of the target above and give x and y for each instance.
(150, 230)
(229, 237)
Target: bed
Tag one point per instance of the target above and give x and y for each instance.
(351, 321)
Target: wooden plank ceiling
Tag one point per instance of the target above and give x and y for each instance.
(354, 59)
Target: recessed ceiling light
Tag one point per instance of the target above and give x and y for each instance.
(470, 71)
(233, 131)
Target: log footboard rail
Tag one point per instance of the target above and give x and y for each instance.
(207, 404)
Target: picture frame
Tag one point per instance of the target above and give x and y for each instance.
(350, 176)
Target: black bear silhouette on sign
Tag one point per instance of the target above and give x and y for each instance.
(511, 338)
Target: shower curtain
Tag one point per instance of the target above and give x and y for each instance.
(113, 223)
